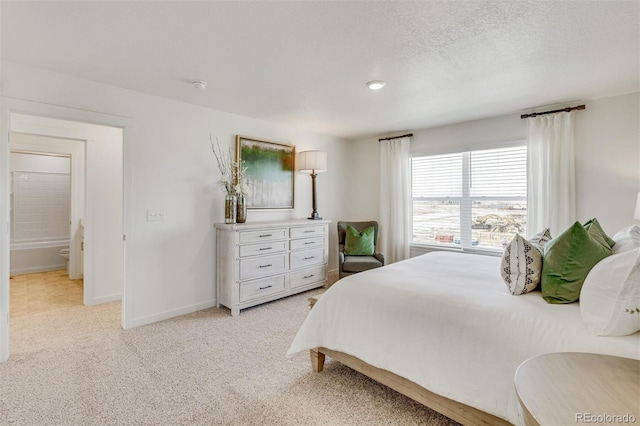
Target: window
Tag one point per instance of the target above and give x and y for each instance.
(473, 199)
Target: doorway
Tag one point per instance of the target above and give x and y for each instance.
(102, 212)
(46, 224)
(58, 167)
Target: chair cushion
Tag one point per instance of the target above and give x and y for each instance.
(359, 243)
(360, 263)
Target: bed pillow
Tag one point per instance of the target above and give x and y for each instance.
(627, 239)
(596, 231)
(359, 243)
(610, 292)
(522, 262)
(567, 261)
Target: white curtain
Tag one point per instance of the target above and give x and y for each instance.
(395, 199)
(551, 173)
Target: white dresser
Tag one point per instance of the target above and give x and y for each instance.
(258, 262)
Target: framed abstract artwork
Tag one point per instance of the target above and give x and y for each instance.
(270, 172)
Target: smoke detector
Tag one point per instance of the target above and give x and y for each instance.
(198, 84)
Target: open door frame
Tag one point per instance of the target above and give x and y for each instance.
(9, 106)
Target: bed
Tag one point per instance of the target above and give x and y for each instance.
(443, 329)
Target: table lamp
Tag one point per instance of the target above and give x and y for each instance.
(314, 162)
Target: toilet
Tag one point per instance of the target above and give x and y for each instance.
(64, 253)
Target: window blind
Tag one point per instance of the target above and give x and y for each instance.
(498, 172)
(469, 199)
(437, 176)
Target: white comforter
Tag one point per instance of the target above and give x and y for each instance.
(447, 322)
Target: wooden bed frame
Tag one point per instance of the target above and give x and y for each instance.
(454, 410)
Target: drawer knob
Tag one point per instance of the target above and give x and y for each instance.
(266, 248)
(265, 266)
(264, 288)
(310, 257)
(309, 276)
(266, 235)
(309, 231)
(310, 242)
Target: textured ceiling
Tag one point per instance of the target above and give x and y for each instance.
(305, 64)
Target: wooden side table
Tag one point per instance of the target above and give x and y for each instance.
(578, 388)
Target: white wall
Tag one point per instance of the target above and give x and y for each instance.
(170, 264)
(608, 160)
(607, 136)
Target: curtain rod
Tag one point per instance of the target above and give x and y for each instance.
(408, 135)
(535, 114)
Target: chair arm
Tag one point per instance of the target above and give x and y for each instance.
(340, 259)
(380, 257)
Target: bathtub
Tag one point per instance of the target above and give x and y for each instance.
(37, 256)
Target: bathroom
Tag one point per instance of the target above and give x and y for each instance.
(40, 215)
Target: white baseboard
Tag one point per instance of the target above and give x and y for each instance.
(33, 270)
(105, 299)
(137, 322)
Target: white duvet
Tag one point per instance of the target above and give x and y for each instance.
(447, 322)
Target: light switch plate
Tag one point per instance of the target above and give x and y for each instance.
(155, 215)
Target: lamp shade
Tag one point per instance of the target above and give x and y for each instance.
(312, 161)
(636, 215)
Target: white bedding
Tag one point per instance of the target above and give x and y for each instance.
(447, 322)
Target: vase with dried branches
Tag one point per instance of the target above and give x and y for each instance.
(233, 182)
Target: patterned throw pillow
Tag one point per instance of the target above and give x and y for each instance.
(522, 262)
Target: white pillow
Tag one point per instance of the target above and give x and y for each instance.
(627, 239)
(611, 288)
(522, 262)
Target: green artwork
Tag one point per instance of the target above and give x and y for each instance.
(270, 173)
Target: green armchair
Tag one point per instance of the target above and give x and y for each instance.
(349, 265)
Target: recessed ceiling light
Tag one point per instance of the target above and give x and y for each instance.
(375, 84)
(198, 84)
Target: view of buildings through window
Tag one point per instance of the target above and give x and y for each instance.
(470, 199)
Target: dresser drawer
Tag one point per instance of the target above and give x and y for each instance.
(308, 231)
(264, 235)
(307, 243)
(255, 267)
(308, 276)
(256, 262)
(261, 288)
(264, 248)
(302, 258)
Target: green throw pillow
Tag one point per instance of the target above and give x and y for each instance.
(359, 243)
(567, 261)
(596, 231)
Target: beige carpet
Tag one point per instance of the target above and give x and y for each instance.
(76, 366)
